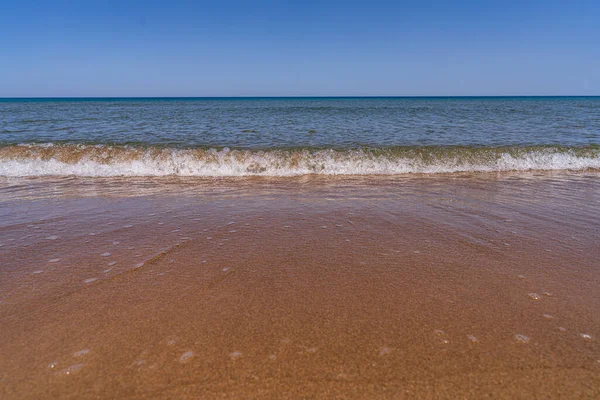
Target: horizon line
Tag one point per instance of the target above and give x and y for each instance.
(290, 97)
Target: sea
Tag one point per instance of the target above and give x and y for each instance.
(211, 137)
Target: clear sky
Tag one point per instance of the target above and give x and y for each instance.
(303, 48)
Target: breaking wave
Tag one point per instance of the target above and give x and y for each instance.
(104, 160)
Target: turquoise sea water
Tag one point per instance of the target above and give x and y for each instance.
(291, 136)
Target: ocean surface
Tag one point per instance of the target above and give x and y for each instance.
(297, 136)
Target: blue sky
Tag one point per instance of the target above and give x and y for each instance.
(299, 48)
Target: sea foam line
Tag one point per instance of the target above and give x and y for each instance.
(109, 161)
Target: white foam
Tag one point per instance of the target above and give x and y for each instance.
(225, 162)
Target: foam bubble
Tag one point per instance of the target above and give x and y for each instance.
(472, 338)
(522, 338)
(534, 296)
(441, 336)
(384, 351)
(81, 353)
(187, 356)
(71, 369)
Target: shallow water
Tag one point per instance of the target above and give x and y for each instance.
(237, 287)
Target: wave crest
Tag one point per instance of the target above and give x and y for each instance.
(104, 160)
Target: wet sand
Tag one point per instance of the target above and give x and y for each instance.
(424, 287)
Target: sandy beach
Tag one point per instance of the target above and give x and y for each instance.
(447, 287)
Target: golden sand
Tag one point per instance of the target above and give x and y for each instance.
(467, 287)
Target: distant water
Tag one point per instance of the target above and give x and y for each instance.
(294, 136)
